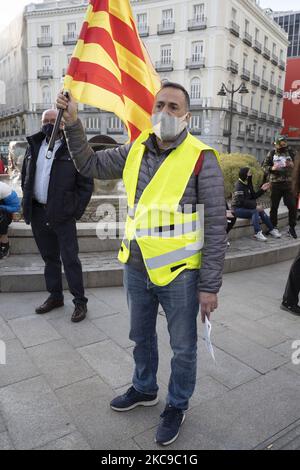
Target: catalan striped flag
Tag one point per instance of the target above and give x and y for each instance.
(110, 68)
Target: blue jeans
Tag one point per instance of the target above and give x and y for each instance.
(254, 215)
(180, 302)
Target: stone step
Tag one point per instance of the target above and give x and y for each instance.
(24, 273)
(22, 241)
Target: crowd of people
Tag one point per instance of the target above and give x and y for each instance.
(178, 272)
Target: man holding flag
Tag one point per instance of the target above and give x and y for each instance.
(167, 173)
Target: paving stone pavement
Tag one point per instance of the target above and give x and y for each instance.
(59, 377)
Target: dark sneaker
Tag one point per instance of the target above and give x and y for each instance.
(290, 308)
(79, 313)
(49, 305)
(168, 429)
(4, 250)
(292, 232)
(131, 399)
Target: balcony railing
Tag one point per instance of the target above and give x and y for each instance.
(232, 66)
(262, 116)
(247, 38)
(253, 113)
(271, 119)
(115, 130)
(244, 110)
(200, 103)
(241, 134)
(279, 121)
(164, 66)
(70, 39)
(279, 92)
(197, 23)
(266, 53)
(274, 59)
(260, 138)
(245, 74)
(234, 28)
(251, 136)
(195, 130)
(196, 62)
(41, 107)
(44, 41)
(272, 89)
(281, 64)
(45, 73)
(143, 30)
(257, 46)
(255, 80)
(166, 28)
(268, 139)
(264, 84)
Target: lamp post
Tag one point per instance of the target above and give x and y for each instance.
(223, 92)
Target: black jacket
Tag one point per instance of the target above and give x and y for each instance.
(69, 192)
(281, 175)
(244, 196)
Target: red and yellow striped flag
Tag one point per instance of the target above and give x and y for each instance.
(110, 67)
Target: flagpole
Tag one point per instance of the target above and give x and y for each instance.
(55, 130)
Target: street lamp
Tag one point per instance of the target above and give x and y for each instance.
(242, 89)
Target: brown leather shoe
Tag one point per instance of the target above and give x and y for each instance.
(79, 313)
(48, 305)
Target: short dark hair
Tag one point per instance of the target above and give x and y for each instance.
(178, 87)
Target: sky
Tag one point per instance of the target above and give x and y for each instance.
(13, 7)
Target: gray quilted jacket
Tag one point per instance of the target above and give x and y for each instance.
(206, 188)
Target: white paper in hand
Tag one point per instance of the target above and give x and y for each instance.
(207, 332)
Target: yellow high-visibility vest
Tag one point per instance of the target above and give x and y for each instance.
(170, 240)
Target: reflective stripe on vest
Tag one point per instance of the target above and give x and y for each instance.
(173, 256)
(169, 230)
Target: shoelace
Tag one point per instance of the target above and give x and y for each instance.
(169, 414)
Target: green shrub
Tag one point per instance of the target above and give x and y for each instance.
(231, 164)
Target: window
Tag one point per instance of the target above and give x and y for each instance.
(199, 12)
(277, 109)
(234, 14)
(253, 99)
(195, 88)
(197, 51)
(115, 124)
(46, 93)
(270, 107)
(245, 60)
(45, 31)
(272, 78)
(274, 48)
(256, 34)
(71, 27)
(142, 20)
(261, 105)
(264, 72)
(166, 54)
(167, 17)
(231, 52)
(241, 127)
(255, 63)
(195, 123)
(266, 41)
(46, 62)
(281, 54)
(246, 26)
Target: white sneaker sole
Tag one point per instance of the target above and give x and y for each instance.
(140, 403)
(174, 438)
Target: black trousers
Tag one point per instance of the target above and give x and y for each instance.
(5, 220)
(56, 243)
(230, 223)
(292, 289)
(279, 191)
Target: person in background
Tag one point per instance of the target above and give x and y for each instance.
(55, 195)
(9, 205)
(279, 166)
(290, 301)
(231, 220)
(2, 165)
(244, 204)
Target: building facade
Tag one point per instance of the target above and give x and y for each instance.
(290, 22)
(200, 44)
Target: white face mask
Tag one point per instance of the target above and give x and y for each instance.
(167, 127)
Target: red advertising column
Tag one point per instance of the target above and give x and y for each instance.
(291, 104)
